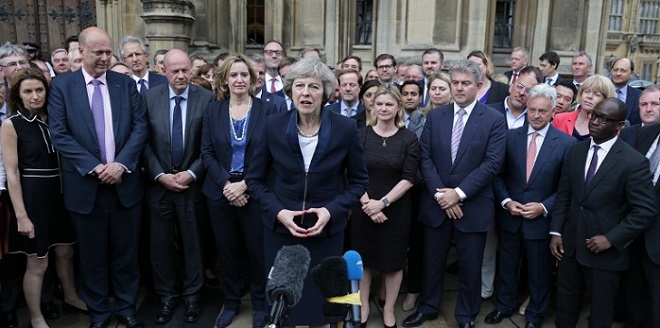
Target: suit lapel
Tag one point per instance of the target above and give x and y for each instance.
(612, 157)
(324, 137)
(83, 103)
(114, 89)
(191, 110)
(292, 138)
(547, 148)
(163, 110)
(521, 153)
(255, 116)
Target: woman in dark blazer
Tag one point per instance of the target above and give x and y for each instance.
(306, 152)
(231, 130)
(491, 91)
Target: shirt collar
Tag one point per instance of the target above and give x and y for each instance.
(145, 77)
(606, 146)
(468, 108)
(184, 94)
(88, 78)
(543, 132)
(276, 77)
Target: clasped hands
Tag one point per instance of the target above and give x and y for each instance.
(449, 200)
(286, 217)
(109, 173)
(235, 193)
(528, 211)
(373, 208)
(176, 182)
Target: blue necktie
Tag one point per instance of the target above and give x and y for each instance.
(177, 134)
(99, 120)
(143, 86)
(619, 94)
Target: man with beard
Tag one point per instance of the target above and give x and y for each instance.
(135, 55)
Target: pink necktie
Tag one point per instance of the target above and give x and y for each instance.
(531, 154)
(272, 85)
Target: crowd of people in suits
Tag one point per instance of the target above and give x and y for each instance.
(120, 168)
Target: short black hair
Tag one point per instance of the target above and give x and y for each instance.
(413, 82)
(533, 70)
(568, 84)
(552, 58)
(73, 38)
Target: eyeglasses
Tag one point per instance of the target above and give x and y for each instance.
(602, 119)
(274, 52)
(134, 55)
(15, 63)
(522, 87)
(385, 66)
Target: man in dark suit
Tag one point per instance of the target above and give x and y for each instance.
(526, 192)
(349, 83)
(463, 147)
(259, 65)
(519, 60)
(135, 55)
(514, 107)
(649, 113)
(548, 64)
(621, 71)
(605, 199)
(97, 124)
(173, 163)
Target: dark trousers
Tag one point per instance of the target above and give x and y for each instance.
(231, 225)
(539, 274)
(652, 274)
(636, 300)
(470, 252)
(601, 285)
(174, 209)
(108, 243)
(415, 244)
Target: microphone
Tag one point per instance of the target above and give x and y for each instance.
(285, 281)
(330, 277)
(354, 269)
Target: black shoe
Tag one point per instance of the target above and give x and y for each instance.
(417, 319)
(9, 319)
(132, 321)
(466, 325)
(533, 325)
(66, 307)
(193, 311)
(166, 312)
(495, 317)
(100, 324)
(49, 311)
(225, 318)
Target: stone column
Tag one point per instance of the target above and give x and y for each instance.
(168, 23)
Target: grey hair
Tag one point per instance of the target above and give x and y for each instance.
(257, 58)
(523, 50)
(10, 49)
(314, 68)
(544, 91)
(57, 51)
(466, 66)
(583, 54)
(131, 39)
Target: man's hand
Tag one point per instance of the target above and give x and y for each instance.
(184, 178)
(454, 212)
(168, 181)
(598, 243)
(240, 201)
(448, 199)
(532, 210)
(111, 174)
(514, 208)
(557, 247)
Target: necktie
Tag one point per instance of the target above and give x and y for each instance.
(143, 85)
(548, 81)
(514, 76)
(272, 85)
(531, 154)
(177, 133)
(654, 160)
(591, 171)
(349, 112)
(99, 120)
(456, 134)
(577, 86)
(619, 94)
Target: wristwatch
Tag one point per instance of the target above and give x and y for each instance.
(385, 201)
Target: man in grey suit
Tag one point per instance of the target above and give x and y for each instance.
(174, 166)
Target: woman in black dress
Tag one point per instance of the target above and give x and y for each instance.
(381, 225)
(33, 182)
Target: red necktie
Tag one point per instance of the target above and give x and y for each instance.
(514, 75)
(272, 85)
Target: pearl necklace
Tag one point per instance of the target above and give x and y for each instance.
(302, 134)
(231, 122)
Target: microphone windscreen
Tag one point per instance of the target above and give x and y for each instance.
(353, 265)
(288, 274)
(331, 277)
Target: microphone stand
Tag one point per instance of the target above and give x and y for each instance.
(277, 312)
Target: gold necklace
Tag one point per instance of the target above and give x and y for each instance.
(231, 122)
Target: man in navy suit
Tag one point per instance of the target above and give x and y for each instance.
(604, 201)
(350, 105)
(548, 64)
(97, 124)
(621, 71)
(526, 192)
(519, 60)
(463, 147)
(514, 107)
(649, 114)
(135, 55)
(259, 65)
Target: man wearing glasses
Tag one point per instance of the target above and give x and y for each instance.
(273, 52)
(386, 68)
(135, 55)
(12, 59)
(604, 201)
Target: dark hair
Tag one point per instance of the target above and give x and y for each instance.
(349, 71)
(532, 70)
(221, 56)
(358, 59)
(200, 81)
(278, 42)
(382, 57)
(158, 53)
(15, 103)
(632, 64)
(413, 82)
(204, 69)
(287, 61)
(568, 84)
(552, 58)
(73, 38)
(366, 86)
(434, 51)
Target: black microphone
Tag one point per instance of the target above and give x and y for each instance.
(285, 281)
(330, 277)
(354, 272)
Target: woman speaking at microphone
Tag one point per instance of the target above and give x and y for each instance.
(296, 175)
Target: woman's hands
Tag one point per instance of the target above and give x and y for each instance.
(286, 217)
(235, 193)
(25, 227)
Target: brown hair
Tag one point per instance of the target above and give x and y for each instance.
(223, 71)
(15, 103)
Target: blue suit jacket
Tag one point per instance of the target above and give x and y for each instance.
(278, 102)
(156, 79)
(336, 107)
(632, 105)
(478, 160)
(337, 154)
(543, 181)
(73, 134)
(216, 142)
